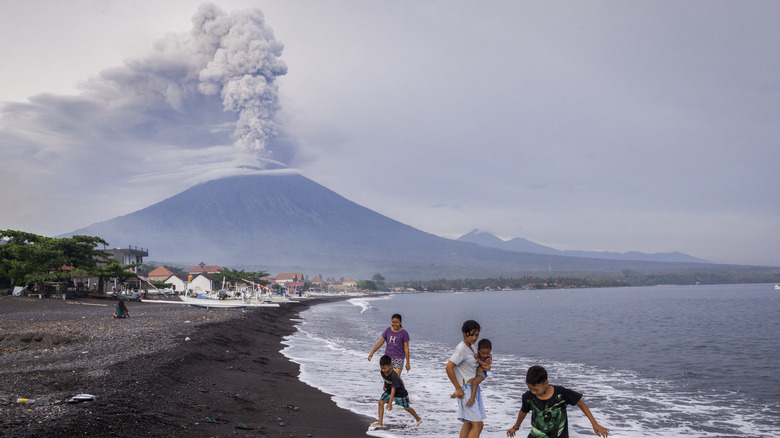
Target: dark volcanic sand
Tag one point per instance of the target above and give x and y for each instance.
(148, 380)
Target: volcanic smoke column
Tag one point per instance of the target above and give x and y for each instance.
(243, 62)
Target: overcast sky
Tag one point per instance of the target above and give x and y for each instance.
(609, 126)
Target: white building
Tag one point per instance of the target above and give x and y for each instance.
(200, 283)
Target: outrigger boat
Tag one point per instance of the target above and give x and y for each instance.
(212, 303)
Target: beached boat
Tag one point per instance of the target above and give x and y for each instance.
(213, 303)
(236, 303)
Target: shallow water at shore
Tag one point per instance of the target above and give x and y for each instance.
(651, 361)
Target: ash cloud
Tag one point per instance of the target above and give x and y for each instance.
(201, 105)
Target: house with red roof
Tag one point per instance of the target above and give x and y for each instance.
(202, 268)
(159, 274)
(286, 278)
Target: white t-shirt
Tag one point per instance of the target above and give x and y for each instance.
(465, 363)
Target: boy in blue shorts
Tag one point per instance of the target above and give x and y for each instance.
(394, 391)
(547, 405)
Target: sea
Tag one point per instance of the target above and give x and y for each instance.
(660, 361)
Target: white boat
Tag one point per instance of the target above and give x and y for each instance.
(213, 303)
(777, 286)
(235, 303)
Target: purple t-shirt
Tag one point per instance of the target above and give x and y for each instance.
(395, 342)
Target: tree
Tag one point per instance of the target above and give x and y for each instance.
(259, 277)
(379, 280)
(28, 258)
(231, 277)
(145, 268)
(114, 269)
(174, 269)
(366, 285)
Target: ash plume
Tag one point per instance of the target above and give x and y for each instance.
(243, 63)
(201, 105)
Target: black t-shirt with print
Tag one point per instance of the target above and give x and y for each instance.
(548, 417)
(393, 381)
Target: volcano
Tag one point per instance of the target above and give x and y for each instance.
(285, 222)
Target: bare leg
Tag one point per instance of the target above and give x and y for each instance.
(474, 386)
(476, 429)
(381, 414)
(398, 371)
(414, 414)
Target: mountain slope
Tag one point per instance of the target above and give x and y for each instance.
(523, 245)
(288, 223)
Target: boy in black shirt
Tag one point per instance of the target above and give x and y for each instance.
(394, 391)
(548, 406)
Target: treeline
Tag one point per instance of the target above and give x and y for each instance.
(726, 275)
(526, 282)
(720, 275)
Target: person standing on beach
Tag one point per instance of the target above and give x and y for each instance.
(397, 339)
(461, 370)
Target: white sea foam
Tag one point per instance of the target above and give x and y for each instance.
(365, 303)
(622, 400)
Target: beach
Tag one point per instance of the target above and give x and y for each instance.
(167, 370)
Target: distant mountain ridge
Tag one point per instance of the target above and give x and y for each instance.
(284, 222)
(519, 244)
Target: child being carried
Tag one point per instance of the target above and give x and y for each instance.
(485, 360)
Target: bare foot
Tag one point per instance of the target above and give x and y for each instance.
(375, 424)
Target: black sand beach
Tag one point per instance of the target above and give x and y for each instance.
(149, 381)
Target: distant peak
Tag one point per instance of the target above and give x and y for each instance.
(476, 232)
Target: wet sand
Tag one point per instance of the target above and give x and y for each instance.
(149, 380)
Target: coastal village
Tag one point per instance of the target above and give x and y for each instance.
(206, 278)
(200, 279)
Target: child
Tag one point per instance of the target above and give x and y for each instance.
(121, 310)
(461, 369)
(548, 406)
(397, 344)
(485, 360)
(394, 390)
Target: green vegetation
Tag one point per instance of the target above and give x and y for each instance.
(29, 259)
(720, 275)
(233, 277)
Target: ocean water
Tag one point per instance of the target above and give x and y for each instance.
(670, 361)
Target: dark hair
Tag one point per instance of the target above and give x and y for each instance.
(385, 360)
(397, 316)
(536, 375)
(485, 343)
(122, 306)
(469, 326)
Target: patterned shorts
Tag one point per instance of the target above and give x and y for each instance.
(398, 363)
(399, 401)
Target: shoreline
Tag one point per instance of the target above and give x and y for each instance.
(149, 381)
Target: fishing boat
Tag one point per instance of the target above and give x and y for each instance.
(212, 303)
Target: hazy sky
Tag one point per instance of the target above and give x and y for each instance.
(599, 125)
